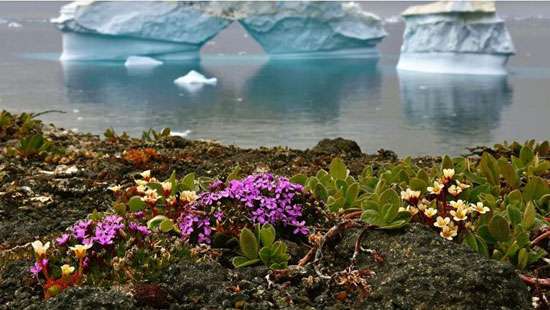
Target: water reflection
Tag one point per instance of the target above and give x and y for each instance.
(259, 97)
(461, 109)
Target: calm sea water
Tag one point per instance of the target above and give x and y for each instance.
(274, 102)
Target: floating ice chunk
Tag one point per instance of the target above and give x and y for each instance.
(180, 134)
(142, 62)
(193, 81)
(14, 25)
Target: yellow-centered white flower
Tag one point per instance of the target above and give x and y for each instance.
(460, 214)
(455, 190)
(151, 196)
(166, 186)
(436, 189)
(442, 222)
(115, 188)
(39, 248)
(462, 185)
(458, 204)
(430, 212)
(479, 208)
(448, 173)
(146, 175)
(67, 270)
(449, 232)
(80, 250)
(188, 196)
(409, 194)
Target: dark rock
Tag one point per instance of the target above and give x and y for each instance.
(423, 271)
(338, 146)
(88, 297)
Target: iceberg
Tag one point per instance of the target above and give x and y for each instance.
(296, 28)
(174, 30)
(141, 62)
(116, 30)
(194, 81)
(457, 37)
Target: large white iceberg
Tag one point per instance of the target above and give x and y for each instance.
(116, 30)
(297, 27)
(462, 37)
(170, 29)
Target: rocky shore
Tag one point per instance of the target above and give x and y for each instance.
(410, 268)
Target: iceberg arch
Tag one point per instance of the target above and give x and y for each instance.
(175, 30)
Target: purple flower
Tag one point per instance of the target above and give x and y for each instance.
(39, 266)
(218, 215)
(81, 229)
(135, 227)
(62, 240)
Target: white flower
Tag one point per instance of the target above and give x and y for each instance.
(462, 185)
(409, 194)
(436, 189)
(80, 250)
(151, 196)
(455, 190)
(412, 210)
(141, 182)
(460, 214)
(141, 189)
(479, 208)
(448, 173)
(429, 212)
(39, 248)
(167, 187)
(442, 222)
(458, 204)
(67, 270)
(188, 196)
(146, 175)
(449, 231)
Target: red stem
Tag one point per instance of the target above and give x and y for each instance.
(534, 281)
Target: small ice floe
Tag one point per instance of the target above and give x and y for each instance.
(141, 62)
(393, 19)
(241, 53)
(194, 81)
(181, 134)
(76, 110)
(14, 25)
(79, 118)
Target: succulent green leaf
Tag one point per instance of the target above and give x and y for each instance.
(166, 225)
(523, 258)
(241, 261)
(338, 169)
(509, 174)
(188, 182)
(529, 215)
(418, 184)
(499, 228)
(514, 214)
(489, 168)
(390, 196)
(321, 192)
(136, 204)
(248, 243)
(235, 174)
(526, 155)
(267, 235)
(446, 163)
(299, 179)
(471, 241)
(352, 193)
(155, 221)
(535, 189)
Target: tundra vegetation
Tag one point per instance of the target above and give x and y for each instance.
(284, 216)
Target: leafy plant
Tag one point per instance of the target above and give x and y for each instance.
(33, 146)
(272, 254)
(153, 135)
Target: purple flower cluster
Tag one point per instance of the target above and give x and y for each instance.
(39, 266)
(104, 233)
(267, 199)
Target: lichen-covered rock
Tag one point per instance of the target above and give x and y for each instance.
(455, 37)
(423, 271)
(91, 298)
(338, 146)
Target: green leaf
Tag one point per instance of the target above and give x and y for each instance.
(371, 217)
(471, 241)
(234, 174)
(266, 255)
(484, 233)
(446, 163)
(523, 258)
(482, 246)
(321, 192)
(267, 235)
(499, 228)
(248, 243)
(535, 189)
(390, 212)
(166, 225)
(136, 204)
(351, 194)
(241, 261)
(188, 182)
(338, 169)
(509, 174)
(489, 168)
(529, 215)
(390, 196)
(526, 155)
(299, 179)
(514, 214)
(155, 222)
(418, 184)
